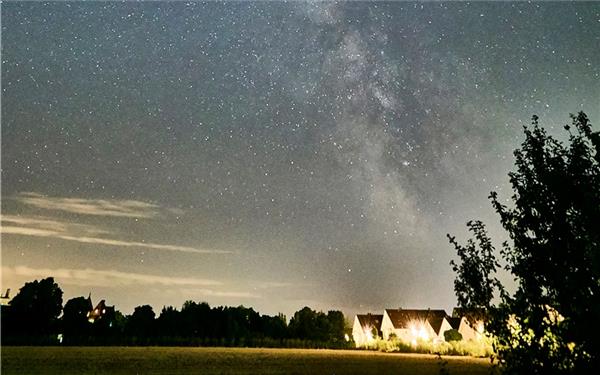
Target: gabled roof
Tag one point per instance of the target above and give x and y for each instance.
(436, 324)
(472, 315)
(370, 320)
(454, 322)
(100, 311)
(402, 318)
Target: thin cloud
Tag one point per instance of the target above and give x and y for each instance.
(35, 227)
(49, 224)
(216, 293)
(97, 207)
(274, 284)
(104, 278)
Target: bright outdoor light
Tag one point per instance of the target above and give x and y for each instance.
(418, 331)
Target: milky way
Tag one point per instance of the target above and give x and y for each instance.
(274, 155)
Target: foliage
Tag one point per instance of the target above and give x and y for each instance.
(550, 324)
(141, 323)
(196, 324)
(35, 309)
(452, 335)
(75, 319)
(474, 348)
(318, 326)
(475, 283)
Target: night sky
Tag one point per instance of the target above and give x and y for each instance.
(274, 155)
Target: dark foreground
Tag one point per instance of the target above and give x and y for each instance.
(170, 360)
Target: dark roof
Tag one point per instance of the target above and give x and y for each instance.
(100, 310)
(370, 320)
(436, 324)
(472, 314)
(454, 322)
(401, 318)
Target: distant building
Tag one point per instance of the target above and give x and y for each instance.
(5, 298)
(414, 325)
(469, 331)
(100, 311)
(366, 328)
(470, 322)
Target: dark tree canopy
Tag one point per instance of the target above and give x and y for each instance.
(551, 323)
(141, 323)
(35, 309)
(195, 324)
(475, 283)
(75, 318)
(318, 326)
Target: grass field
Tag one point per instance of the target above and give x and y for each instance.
(171, 360)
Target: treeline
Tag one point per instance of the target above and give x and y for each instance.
(36, 316)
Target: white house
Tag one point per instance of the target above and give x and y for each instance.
(469, 331)
(469, 323)
(414, 325)
(366, 328)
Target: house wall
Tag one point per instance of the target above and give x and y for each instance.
(445, 327)
(406, 334)
(468, 332)
(409, 335)
(386, 326)
(403, 334)
(358, 334)
(430, 332)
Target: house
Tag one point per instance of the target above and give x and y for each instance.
(100, 311)
(411, 325)
(366, 328)
(5, 299)
(414, 325)
(469, 322)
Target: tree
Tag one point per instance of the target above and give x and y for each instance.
(274, 326)
(475, 283)
(141, 323)
(452, 335)
(551, 323)
(195, 319)
(35, 309)
(75, 318)
(169, 322)
(303, 324)
(337, 325)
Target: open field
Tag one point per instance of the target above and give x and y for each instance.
(175, 360)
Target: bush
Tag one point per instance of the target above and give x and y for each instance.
(452, 335)
(474, 348)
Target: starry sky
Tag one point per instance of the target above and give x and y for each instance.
(271, 154)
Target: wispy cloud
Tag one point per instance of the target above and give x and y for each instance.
(49, 224)
(36, 227)
(273, 284)
(97, 207)
(194, 292)
(104, 278)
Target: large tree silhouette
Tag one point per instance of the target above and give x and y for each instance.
(35, 309)
(551, 323)
(75, 323)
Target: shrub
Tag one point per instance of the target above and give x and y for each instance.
(452, 335)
